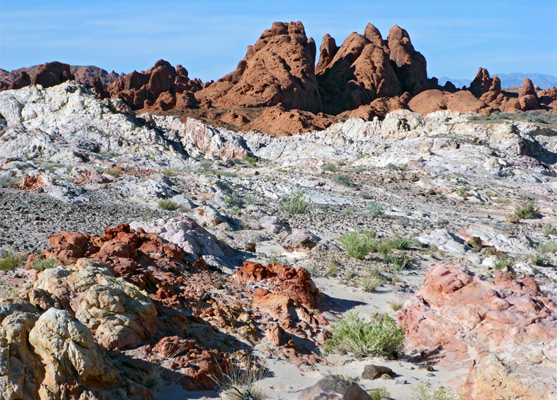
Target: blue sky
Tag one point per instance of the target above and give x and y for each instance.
(210, 37)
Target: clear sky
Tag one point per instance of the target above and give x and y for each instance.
(210, 37)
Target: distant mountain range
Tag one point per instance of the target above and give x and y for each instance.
(515, 79)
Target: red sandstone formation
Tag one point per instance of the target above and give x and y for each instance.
(161, 87)
(279, 88)
(293, 282)
(277, 69)
(410, 65)
(359, 72)
(457, 314)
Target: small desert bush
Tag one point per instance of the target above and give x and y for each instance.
(329, 168)
(425, 392)
(343, 180)
(395, 305)
(359, 244)
(370, 284)
(250, 160)
(295, 203)
(233, 200)
(547, 247)
(41, 264)
(397, 263)
(153, 380)
(527, 211)
(548, 229)
(168, 204)
(503, 262)
(399, 243)
(238, 382)
(114, 171)
(360, 338)
(333, 268)
(10, 261)
(374, 209)
(539, 259)
(379, 394)
(7, 181)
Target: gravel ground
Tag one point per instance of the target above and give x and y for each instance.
(28, 218)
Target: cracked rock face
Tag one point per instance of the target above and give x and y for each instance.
(118, 313)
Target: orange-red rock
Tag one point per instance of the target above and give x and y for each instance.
(455, 311)
(277, 69)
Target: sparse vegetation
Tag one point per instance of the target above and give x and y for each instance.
(361, 338)
(397, 263)
(527, 211)
(343, 180)
(503, 262)
(426, 392)
(7, 181)
(238, 383)
(329, 168)
(41, 264)
(399, 243)
(370, 284)
(233, 200)
(379, 394)
(374, 209)
(548, 229)
(547, 248)
(538, 259)
(332, 268)
(153, 380)
(10, 261)
(252, 161)
(295, 203)
(114, 171)
(168, 204)
(395, 305)
(359, 244)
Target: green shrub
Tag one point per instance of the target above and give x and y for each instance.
(250, 160)
(548, 229)
(395, 305)
(397, 263)
(425, 392)
(538, 259)
(114, 171)
(295, 203)
(503, 262)
(329, 168)
(233, 200)
(10, 261)
(370, 284)
(41, 264)
(375, 209)
(7, 181)
(527, 211)
(399, 243)
(332, 268)
(360, 338)
(168, 204)
(547, 247)
(343, 180)
(359, 244)
(379, 394)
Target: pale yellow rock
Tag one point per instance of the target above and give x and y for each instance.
(118, 313)
(69, 354)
